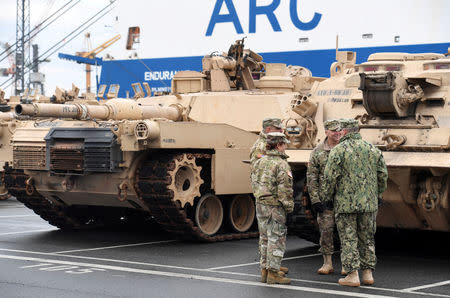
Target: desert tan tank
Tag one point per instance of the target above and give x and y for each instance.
(7, 126)
(177, 158)
(9, 120)
(402, 103)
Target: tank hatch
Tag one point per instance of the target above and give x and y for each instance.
(81, 150)
(389, 94)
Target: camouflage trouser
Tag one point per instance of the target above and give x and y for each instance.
(272, 235)
(326, 227)
(357, 234)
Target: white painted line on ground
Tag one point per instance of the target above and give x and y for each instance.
(214, 271)
(116, 246)
(13, 216)
(336, 284)
(106, 260)
(442, 283)
(254, 263)
(191, 276)
(27, 232)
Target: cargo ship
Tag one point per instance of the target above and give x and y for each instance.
(164, 37)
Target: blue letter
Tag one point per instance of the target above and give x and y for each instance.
(224, 18)
(299, 24)
(267, 10)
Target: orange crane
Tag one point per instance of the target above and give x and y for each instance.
(91, 55)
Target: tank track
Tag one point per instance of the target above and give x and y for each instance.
(152, 182)
(302, 222)
(15, 181)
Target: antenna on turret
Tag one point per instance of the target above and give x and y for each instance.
(337, 46)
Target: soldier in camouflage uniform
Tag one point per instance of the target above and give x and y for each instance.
(259, 148)
(355, 177)
(272, 182)
(315, 178)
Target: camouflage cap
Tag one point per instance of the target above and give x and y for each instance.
(349, 123)
(275, 122)
(276, 138)
(334, 125)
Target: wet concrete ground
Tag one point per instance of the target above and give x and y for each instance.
(38, 260)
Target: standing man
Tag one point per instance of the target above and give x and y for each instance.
(355, 177)
(315, 176)
(272, 188)
(259, 148)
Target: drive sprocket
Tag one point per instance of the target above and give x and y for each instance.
(185, 179)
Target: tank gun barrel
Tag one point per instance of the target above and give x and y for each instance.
(115, 109)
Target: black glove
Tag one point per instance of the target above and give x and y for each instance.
(317, 207)
(329, 205)
(380, 201)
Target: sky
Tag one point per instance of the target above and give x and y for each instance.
(60, 72)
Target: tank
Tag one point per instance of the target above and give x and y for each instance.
(401, 101)
(9, 120)
(176, 158)
(7, 126)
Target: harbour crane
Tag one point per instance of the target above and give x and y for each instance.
(89, 57)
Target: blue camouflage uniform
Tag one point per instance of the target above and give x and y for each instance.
(355, 177)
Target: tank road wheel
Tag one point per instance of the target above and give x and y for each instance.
(185, 179)
(209, 214)
(241, 213)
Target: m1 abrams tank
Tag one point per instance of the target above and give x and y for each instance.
(177, 158)
(9, 121)
(7, 127)
(402, 103)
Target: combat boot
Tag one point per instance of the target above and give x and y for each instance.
(274, 277)
(263, 275)
(351, 280)
(284, 269)
(367, 277)
(327, 266)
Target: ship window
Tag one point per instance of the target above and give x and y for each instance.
(303, 39)
(397, 38)
(367, 36)
(426, 66)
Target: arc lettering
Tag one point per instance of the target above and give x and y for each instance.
(254, 10)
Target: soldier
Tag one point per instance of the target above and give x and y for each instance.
(259, 148)
(315, 177)
(355, 177)
(272, 182)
